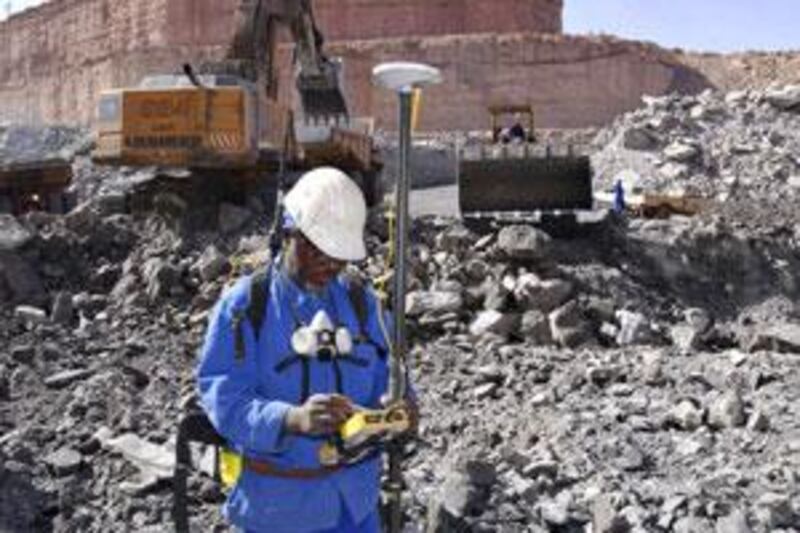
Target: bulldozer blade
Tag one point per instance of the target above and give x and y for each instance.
(524, 184)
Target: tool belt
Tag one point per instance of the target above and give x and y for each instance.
(265, 468)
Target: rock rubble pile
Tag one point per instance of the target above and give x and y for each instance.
(739, 149)
(641, 377)
(20, 144)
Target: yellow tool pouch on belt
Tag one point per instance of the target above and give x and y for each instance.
(230, 467)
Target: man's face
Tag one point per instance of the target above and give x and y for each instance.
(314, 267)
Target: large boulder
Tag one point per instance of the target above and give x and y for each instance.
(524, 242)
(786, 98)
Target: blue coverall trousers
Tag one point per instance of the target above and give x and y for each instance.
(372, 524)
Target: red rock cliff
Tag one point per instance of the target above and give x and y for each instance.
(55, 59)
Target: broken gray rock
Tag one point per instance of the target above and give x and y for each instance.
(775, 510)
(687, 415)
(555, 512)
(155, 463)
(535, 328)
(673, 171)
(693, 334)
(30, 314)
(20, 279)
(437, 302)
(733, 523)
(568, 326)
(63, 379)
(686, 338)
(681, 152)
(699, 319)
(690, 524)
(524, 242)
(495, 296)
(758, 421)
(111, 203)
(90, 304)
(211, 264)
(653, 368)
(531, 292)
(127, 285)
(503, 324)
(458, 499)
(232, 218)
(23, 354)
(162, 278)
(13, 235)
(779, 337)
(63, 312)
(785, 98)
(484, 391)
(454, 239)
(64, 461)
(727, 411)
(605, 518)
(640, 139)
(634, 328)
(104, 278)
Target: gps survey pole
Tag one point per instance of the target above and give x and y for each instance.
(404, 79)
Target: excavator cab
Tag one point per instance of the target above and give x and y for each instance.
(520, 129)
(513, 175)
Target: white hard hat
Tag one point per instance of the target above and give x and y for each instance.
(329, 209)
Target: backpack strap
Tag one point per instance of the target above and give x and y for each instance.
(358, 300)
(357, 293)
(254, 312)
(259, 294)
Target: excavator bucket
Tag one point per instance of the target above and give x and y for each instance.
(321, 96)
(522, 178)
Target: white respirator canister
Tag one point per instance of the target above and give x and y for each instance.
(321, 339)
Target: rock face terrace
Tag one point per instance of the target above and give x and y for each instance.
(55, 59)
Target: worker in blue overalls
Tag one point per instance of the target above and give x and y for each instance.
(278, 403)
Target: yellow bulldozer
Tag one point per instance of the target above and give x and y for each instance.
(223, 122)
(514, 177)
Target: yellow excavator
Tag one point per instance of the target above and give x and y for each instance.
(223, 121)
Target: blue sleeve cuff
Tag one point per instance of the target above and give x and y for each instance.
(268, 427)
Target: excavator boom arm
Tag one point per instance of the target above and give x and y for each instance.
(253, 47)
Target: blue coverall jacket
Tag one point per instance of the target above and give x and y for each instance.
(247, 400)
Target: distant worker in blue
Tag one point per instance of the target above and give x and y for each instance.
(278, 390)
(619, 198)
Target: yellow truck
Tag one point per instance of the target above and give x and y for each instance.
(658, 204)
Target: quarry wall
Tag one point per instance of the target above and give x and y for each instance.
(571, 81)
(54, 59)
